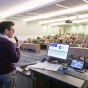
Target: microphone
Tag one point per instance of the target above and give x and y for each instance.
(16, 38)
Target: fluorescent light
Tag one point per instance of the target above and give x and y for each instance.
(85, 1)
(58, 13)
(62, 6)
(64, 19)
(27, 6)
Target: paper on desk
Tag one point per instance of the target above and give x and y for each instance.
(45, 65)
(40, 65)
(52, 67)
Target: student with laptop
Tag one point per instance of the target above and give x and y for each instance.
(9, 55)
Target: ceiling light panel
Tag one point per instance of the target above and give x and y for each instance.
(72, 3)
(85, 1)
(62, 6)
(58, 13)
(27, 6)
(46, 9)
(64, 19)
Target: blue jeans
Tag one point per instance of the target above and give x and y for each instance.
(7, 80)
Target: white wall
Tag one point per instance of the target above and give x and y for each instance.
(2, 19)
(81, 28)
(50, 30)
(25, 30)
(57, 28)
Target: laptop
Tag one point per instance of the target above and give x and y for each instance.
(77, 64)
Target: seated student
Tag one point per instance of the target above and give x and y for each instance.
(72, 43)
(46, 41)
(38, 37)
(44, 38)
(61, 41)
(73, 37)
(84, 43)
(67, 41)
(29, 40)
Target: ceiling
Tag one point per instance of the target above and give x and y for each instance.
(53, 7)
(6, 4)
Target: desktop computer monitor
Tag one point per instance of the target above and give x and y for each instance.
(58, 51)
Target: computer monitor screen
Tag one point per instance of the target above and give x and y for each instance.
(58, 51)
(77, 64)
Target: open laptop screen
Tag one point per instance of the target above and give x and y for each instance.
(58, 51)
(78, 64)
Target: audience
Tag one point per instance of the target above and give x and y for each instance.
(73, 39)
(72, 43)
(67, 41)
(29, 40)
(84, 43)
(38, 37)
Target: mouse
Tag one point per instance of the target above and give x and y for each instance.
(64, 68)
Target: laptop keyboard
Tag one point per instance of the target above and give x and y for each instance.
(77, 74)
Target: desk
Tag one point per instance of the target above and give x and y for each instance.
(78, 51)
(50, 79)
(35, 47)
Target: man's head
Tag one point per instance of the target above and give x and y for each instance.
(7, 28)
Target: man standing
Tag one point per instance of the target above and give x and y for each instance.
(9, 55)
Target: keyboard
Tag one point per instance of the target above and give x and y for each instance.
(77, 74)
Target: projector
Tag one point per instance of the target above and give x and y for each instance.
(68, 21)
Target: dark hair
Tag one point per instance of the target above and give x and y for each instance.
(5, 25)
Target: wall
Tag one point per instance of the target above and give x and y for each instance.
(25, 30)
(1, 19)
(80, 28)
(47, 30)
(53, 30)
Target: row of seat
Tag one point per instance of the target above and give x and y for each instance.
(78, 51)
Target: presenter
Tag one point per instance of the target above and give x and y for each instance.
(9, 55)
